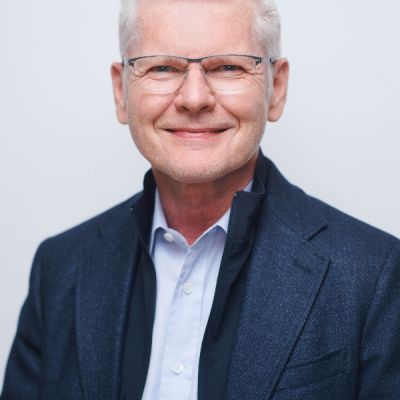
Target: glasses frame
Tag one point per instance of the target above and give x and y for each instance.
(257, 59)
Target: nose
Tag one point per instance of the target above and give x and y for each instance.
(195, 94)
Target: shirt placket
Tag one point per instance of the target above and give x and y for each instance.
(183, 328)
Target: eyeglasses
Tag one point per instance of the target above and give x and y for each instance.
(165, 74)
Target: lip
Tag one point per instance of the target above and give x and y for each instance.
(201, 133)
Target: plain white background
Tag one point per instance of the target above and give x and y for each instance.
(64, 158)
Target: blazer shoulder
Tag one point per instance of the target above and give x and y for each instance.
(82, 235)
(359, 253)
(334, 232)
(349, 234)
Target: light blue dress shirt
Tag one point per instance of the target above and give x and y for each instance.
(186, 281)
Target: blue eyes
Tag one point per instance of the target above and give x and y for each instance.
(230, 68)
(220, 68)
(164, 68)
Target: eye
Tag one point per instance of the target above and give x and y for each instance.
(230, 68)
(226, 70)
(162, 69)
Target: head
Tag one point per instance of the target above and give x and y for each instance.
(197, 133)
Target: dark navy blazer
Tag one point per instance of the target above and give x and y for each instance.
(320, 317)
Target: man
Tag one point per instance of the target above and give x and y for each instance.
(220, 280)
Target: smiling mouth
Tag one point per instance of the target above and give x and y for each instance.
(197, 133)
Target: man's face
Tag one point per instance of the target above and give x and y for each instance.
(195, 134)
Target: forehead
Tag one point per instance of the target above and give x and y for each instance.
(195, 28)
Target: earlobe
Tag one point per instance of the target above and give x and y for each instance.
(280, 87)
(118, 89)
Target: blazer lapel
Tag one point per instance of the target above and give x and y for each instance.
(284, 277)
(102, 301)
(283, 281)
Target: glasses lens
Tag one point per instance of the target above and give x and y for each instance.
(165, 74)
(159, 73)
(229, 73)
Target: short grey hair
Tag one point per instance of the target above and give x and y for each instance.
(267, 26)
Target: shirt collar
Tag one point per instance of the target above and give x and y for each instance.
(159, 220)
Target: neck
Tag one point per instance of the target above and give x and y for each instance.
(192, 208)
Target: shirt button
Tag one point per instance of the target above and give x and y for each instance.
(188, 288)
(177, 368)
(168, 237)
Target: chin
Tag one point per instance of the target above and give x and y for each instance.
(195, 171)
(190, 173)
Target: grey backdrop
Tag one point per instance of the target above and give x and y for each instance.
(64, 158)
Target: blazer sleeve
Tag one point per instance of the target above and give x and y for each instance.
(23, 369)
(380, 346)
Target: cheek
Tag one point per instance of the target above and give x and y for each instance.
(250, 111)
(143, 110)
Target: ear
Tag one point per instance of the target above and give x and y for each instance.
(117, 70)
(280, 88)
